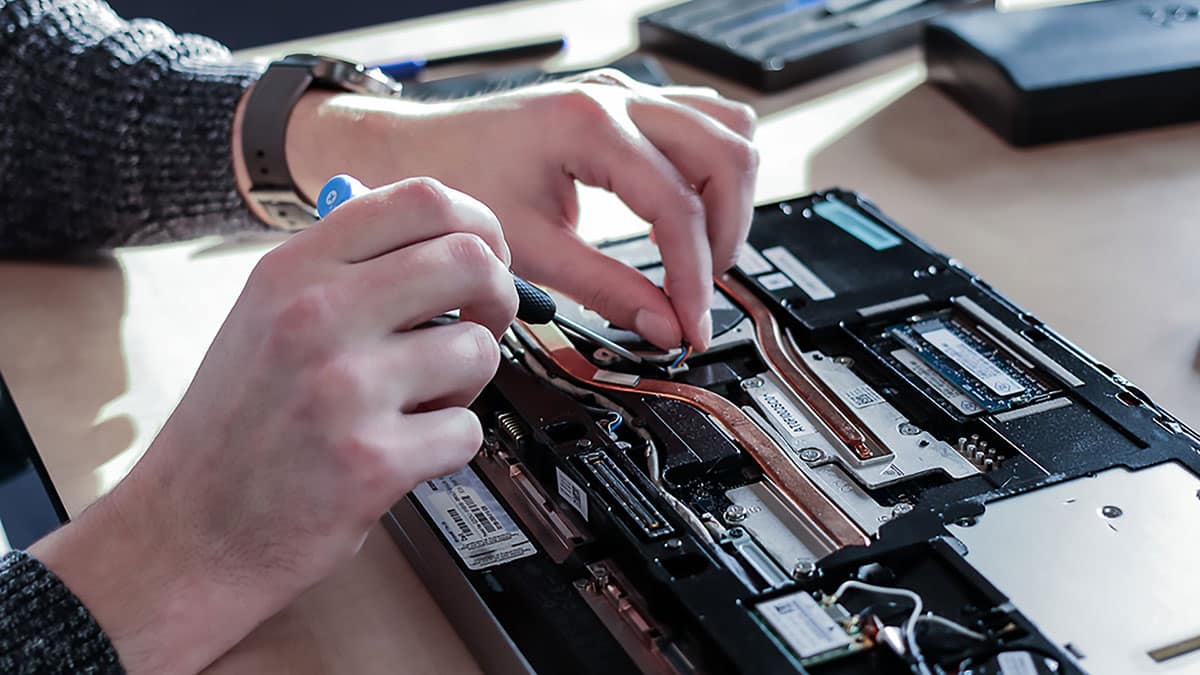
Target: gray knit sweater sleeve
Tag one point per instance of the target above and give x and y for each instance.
(44, 628)
(112, 132)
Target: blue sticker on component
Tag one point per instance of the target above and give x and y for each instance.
(856, 224)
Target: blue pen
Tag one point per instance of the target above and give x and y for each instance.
(536, 306)
(403, 70)
(408, 69)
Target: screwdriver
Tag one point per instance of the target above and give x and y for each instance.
(534, 305)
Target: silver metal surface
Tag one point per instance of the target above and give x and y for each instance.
(832, 480)
(891, 305)
(758, 560)
(1114, 587)
(1051, 404)
(1017, 342)
(589, 334)
(789, 537)
(913, 454)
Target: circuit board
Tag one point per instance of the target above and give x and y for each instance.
(968, 363)
(787, 500)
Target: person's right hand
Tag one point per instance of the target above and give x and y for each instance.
(319, 404)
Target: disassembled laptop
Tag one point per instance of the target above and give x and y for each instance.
(880, 465)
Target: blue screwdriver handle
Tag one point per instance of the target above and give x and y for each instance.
(535, 306)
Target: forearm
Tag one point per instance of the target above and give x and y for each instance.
(164, 605)
(112, 132)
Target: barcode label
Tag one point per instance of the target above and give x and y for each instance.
(464, 530)
(862, 396)
(570, 491)
(472, 520)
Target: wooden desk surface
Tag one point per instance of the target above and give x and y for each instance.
(1098, 238)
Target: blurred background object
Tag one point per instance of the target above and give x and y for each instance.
(261, 23)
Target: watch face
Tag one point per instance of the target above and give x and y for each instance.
(347, 75)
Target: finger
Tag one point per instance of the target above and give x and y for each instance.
(609, 76)
(435, 443)
(439, 366)
(611, 288)
(411, 286)
(398, 215)
(653, 188)
(719, 163)
(737, 117)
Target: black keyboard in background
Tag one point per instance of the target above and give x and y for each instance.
(773, 44)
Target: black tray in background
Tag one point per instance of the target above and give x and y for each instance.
(699, 32)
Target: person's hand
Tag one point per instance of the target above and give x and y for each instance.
(680, 157)
(320, 403)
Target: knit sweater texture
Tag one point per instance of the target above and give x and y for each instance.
(112, 133)
(44, 628)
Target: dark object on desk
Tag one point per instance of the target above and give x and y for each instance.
(411, 67)
(773, 44)
(641, 68)
(29, 505)
(1070, 72)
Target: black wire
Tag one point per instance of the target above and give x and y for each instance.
(1004, 649)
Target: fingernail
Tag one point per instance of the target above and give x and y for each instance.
(654, 327)
(705, 331)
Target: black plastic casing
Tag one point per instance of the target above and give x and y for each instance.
(1071, 72)
(664, 32)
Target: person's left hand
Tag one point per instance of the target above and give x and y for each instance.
(680, 157)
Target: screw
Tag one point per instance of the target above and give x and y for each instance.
(1111, 511)
(811, 455)
(604, 357)
(804, 568)
(736, 532)
(674, 544)
(752, 383)
(909, 429)
(844, 360)
(584, 444)
(736, 513)
(966, 522)
(902, 508)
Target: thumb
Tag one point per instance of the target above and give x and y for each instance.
(606, 286)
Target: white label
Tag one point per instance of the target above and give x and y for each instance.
(787, 417)
(805, 278)
(973, 362)
(570, 491)
(774, 282)
(862, 396)
(803, 625)
(1016, 663)
(477, 527)
(939, 384)
(751, 261)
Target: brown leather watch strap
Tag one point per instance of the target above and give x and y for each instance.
(264, 138)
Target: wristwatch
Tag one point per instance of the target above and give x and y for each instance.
(265, 120)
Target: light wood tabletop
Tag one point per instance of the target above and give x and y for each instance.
(1099, 238)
